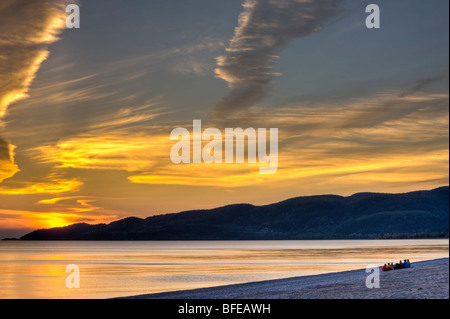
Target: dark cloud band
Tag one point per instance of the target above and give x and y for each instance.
(265, 27)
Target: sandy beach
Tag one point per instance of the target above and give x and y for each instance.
(425, 280)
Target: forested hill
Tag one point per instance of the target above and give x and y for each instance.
(364, 215)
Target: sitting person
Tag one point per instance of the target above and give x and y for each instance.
(389, 266)
(385, 268)
(405, 264)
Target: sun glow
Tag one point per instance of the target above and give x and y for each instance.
(39, 220)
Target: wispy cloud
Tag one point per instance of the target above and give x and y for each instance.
(190, 59)
(8, 167)
(388, 137)
(114, 141)
(54, 185)
(118, 151)
(344, 142)
(77, 204)
(135, 116)
(201, 45)
(191, 66)
(265, 27)
(27, 28)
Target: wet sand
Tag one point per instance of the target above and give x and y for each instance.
(425, 280)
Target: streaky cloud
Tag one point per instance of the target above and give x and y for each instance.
(27, 28)
(265, 27)
(8, 167)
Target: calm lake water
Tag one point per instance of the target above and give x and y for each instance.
(37, 269)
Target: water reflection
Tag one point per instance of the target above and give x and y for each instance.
(111, 269)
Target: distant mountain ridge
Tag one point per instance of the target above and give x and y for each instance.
(363, 215)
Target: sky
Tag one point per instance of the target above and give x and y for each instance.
(86, 113)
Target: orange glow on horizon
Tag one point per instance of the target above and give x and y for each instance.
(43, 220)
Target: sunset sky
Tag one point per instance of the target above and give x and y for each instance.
(86, 114)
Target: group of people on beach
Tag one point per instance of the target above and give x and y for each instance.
(399, 265)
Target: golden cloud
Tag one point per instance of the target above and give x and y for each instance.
(111, 152)
(214, 175)
(55, 186)
(8, 167)
(27, 28)
(345, 144)
(318, 143)
(82, 203)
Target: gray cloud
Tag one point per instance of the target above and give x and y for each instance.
(265, 27)
(421, 84)
(399, 106)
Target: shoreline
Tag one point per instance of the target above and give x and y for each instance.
(425, 280)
